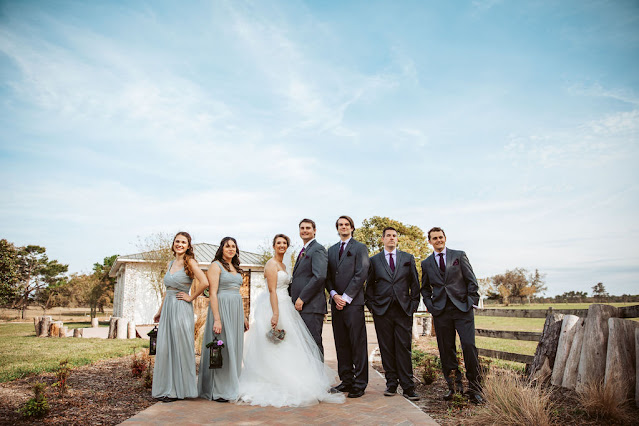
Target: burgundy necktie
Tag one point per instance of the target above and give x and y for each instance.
(341, 249)
(442, 265)
(299, 256)
(391, 262)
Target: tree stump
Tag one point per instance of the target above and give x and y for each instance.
(54, 328)
(637, 367)
(63, 331)
(415, 330)
(547, 348)
(567, 335)
(122, 325)
(42, 329)
(621, 356)
(592, 363)
(131, 330)
(569, 379)
(94, 322)
(427, 325)
(77, 332)
(113, 327)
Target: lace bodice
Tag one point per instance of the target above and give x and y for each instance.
(283, 280)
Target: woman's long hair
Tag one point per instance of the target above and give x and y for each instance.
(187, 255)
(219, 255)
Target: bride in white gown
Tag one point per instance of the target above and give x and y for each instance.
(289, 373)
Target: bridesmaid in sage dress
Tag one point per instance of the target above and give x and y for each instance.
(226, 319)
(174, 370)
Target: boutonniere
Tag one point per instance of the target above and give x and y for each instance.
(303, 255)
(456, 262)
(407, 264)
(348, 253)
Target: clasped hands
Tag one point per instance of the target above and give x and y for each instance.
(339, 302)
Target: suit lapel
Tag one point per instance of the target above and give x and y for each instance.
(299, 260)
(449, 262)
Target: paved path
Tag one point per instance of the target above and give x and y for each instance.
(373, 408)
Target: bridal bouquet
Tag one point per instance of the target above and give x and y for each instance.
(215, 358)
(275, 335)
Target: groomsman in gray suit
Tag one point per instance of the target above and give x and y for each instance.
(347, 272)
(450, 291)
(392, 295)
(307, 286)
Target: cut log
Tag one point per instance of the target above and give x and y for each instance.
(77, 332)
(54, 328)
(620, 357)
(427, 325)
(94, 322)
(43, 326)
(113, 327)
(637, 368)
(415, 331)
(131, 330)
(547, 348)
(569, 379)
(63, 331)
(592, 364)
(122, 326)
(567, 335)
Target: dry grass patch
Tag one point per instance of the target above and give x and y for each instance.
(510, 400)
(606, 402)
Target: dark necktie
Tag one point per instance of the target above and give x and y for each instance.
(391, 262)
(341, 249)
(299, 256)
(442, 265)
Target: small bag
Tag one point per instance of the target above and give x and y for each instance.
(215, 353)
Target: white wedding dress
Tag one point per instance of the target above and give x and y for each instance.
(286, 374)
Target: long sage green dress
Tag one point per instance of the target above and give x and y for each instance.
(174, 370)
(224, 382)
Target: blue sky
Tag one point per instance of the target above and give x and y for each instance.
(512, 125)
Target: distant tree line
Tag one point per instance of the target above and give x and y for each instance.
(28, 277)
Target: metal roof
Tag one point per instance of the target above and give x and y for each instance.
(204, 254)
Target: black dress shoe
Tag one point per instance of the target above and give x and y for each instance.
(390, 391)
(476, 398)
(341, 388)
(166, 399)
(411, 395)
(221, 400)
(356, 393)
(449, 394)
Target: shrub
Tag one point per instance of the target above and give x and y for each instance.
(418, 357)
(457, 403)
(138, 364)
(512, 401)
(432, 367)
(37, 406)
(148, 377)
(62, 375)
(485, 364)
(605, 402)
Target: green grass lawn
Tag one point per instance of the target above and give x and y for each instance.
(23, 354)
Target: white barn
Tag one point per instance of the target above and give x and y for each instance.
(136, 299)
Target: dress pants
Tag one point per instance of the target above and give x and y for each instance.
(349, 330)
(314, 322)
(448, 322)
(394, 336)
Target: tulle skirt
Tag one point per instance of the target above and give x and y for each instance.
(290, 373)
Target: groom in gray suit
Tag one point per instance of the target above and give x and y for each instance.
(450, 291)
(307, 286)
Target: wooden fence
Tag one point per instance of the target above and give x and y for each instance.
(624, 312)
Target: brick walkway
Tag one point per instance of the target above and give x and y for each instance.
(373, 408)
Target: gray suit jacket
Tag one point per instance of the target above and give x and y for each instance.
(458, 283)
(309, 275)
(348, 273)
(382, 284)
